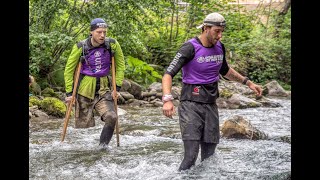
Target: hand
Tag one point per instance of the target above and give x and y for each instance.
(115, 95)
(168, 109)
(256, 88)
(68, 99)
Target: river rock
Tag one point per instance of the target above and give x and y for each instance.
(238, 127)
(273, 88)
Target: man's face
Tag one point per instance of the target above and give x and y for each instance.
(99, 35)
(214, 33)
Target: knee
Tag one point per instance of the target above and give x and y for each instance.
(109, 118)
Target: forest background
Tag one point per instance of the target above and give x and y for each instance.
(257, 37)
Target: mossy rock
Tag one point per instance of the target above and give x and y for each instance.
(253, 105)
(48, 92)
(265, 91)
(224, 93)
(53, 106)
(34, 101)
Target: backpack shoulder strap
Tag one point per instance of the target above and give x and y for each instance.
(81, 43)
(84, 46)
(108, 42)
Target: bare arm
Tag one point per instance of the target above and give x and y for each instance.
(168, 107)
(166, 84)
(233, 75)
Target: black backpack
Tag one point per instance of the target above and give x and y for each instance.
(85, 47)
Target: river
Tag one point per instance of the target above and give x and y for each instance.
(151, 148)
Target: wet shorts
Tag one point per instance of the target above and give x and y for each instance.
(199, 121)
(84, 115)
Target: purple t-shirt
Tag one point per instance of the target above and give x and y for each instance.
(204, 67)
(201, 67)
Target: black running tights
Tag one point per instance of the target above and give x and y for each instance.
(191, 150)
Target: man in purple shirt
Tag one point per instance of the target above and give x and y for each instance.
(201, 59)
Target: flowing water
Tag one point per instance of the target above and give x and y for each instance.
(151, 148)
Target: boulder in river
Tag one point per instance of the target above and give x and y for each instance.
(238, 127)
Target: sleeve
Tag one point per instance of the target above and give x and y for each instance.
(225, 67)
(70, 68)
(120, 63)
(183, 56)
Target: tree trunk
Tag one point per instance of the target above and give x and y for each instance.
(280, 20)
(172, 16)
(285, 8)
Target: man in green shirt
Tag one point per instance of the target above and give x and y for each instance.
(94, 91)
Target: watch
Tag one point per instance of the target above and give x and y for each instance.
(245, 80)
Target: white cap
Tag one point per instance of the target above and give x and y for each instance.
(213, 19)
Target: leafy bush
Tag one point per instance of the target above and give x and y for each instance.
(141, 72)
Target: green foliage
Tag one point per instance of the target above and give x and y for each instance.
(264, 52)
(56, 78)
(161, 51)
(43, 47)
(152, 31)
(271, 60)
(54, 26)
(271, 56)
(128, 21)
(177, 79)
(285, 86)
(141, 72)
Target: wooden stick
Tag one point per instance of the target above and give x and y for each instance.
(75, 85)
(115, 99)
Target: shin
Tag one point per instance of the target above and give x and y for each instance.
(110, 120)
(191, 150)
(207, 149)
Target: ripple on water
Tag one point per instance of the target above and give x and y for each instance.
(154, 155)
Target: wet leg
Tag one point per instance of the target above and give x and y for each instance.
(107, 131)
(207, 150)
(105, 108)
(191, 150)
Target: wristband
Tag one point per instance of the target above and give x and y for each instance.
(69, 94)
(167, 97)
(118, 88)
(245, 80)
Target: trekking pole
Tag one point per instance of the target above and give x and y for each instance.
(115, 100)
(75, 84)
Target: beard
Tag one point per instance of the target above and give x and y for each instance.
(211, 40)
(98, 41)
